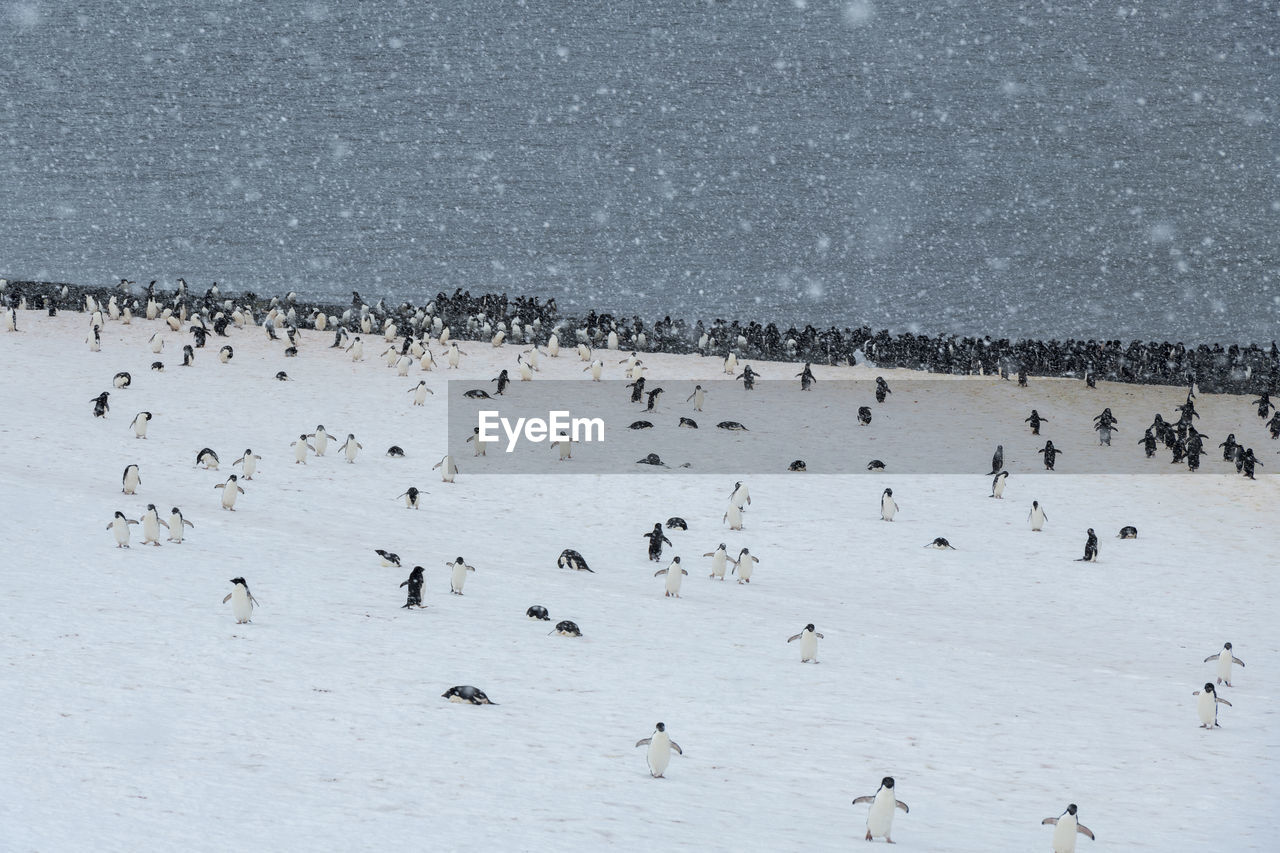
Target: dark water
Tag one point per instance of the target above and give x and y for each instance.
(1013, 168)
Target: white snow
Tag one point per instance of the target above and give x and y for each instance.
(996, 683)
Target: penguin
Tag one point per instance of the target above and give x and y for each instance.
(882, 389)
(151, 524)
(675, 575)
(356, 350)
(941, 544)
(395, 451)
(719, 560)
(1037, 517)
(880, 815)
(122, 380)
(660, 745)
(808, 645)
(997, 460)
(642, 425)
(242, 601)
(420, 392)
(1090, 548)
(250, 462)
(688, 423)
(584, 352)
(157, 366)
(888, 508)
(748, 377)
(864, 415)
(806, 377)
(1051, 455)
(1148, 442)
(745, 566)
(95, 340)
(459, 577)
(652, 397)
(388, 558)
(414, 598)
(733, 516)
(675, 522)
(300, 448)
(351, 447)
(656, 537)
(226, 354)
(997, 485)
(131, 480)
(477, 394)
(571, 559)
(553, 346)
(875, 465)
(176, 525)
(1035, 420)
(448, 470)
(732, 426)
(564, 444)
(1207, 706)
(120, 527)
(454, 355)
(740, 496)
(698, 397)
(1022, 377)
(1224, 658)
(410, 498)
(1128, 532)
(156, 342)
(1104, 434)
(503, 380)
(100, 406)
(595, 368)
(1067, 827)
(188, 356)
(538, 612)
(230, 490)
(637, 389)
(731, 363)
(208, 459)
(652, 459)
(566, 628)
(322, 437)
(466, 694)
(482, 446)
(797, 465)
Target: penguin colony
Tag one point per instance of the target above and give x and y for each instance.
(1181, 437)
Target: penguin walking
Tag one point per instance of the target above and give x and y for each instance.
(139, 425)
(242, 601)
(100, 405)
(698, 397)
(719, 561)
(356, 350)
(410, 498)
(1036, 517)
(420, 392)
(880, 815)
(731, 363)
(888, 508)
(176, 523)
(806, 377)
(1067, 826)
(482, 446)
(351, 447)
(637, 389)
(151, 524)
(748, 377)
(675, 575)
(1207, 706)
(733, 516)
(744, 566)
(595, 368)
(459, 576)
(230, 490)
(660, 746)
(448, 470)
(564, 444)
(1035, 419)
(120, 527)
(1090, 548)
(226, 354)
(808, 645)
(208, 459)
(415, 589)
(300, 448)
(656, 537)
(997, 485)
(250, 462)
(1225, 659)
(131, 480)
(652, 397)
(1051, 455)
(882, 389)
(322, 438)
(997, 460)
(503, 379)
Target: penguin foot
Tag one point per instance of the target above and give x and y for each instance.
(868, 835)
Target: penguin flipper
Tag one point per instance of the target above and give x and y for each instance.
(1222, 701)
(899, 803)
(677, 748)
(872, 799)
(1237, 660)
(1051, 821)
(1084, 830)
(644, 741)
(822, 636)
(228, 598)
(659, 572)
(188, 524)
(792, 639)
(1212, 657)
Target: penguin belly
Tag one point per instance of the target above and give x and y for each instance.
(718, 564)
(322, 442)
(888, 508)
(241, 606)
(121, 531)
(1064, 835)
(175, 528)
(659, 753)
(880, 817)
(229, 493)
(458, 578)
(674, 576)
(300, 451)
(1207, 708)
(745, 567)
(1037, 519)
(131, 481)
(735, 517)
(250, 466)
(809, 647)
(150, 528)
(1224, 666)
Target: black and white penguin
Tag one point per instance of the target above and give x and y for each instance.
(1148, 442)
(1050, 453)
(120, 527)
(883, 804)
(698, 397)
(100, 406)
(1037, 517)
(941, 544)
(660, 746)
(230, 490)
(875, 465)
(242, 601)
(640, 425)
(732, 426)
(864, 415)
(652, 397)
(448, 469)
(282, 376)
(300, 448)
(882, 389)
(322, 439)
(420, 392)
(351, 447)
(797, 465)
(806, 377)
(226, 354)
(675, 522)
(503, 381)
(719, 561)
(1128, 532)
(808, 644)
(744, 566)
(538, 612)
(997, 484)
(151, 524)
(131, 480)
(122, 380)
(637, 389)
(652, 459)
(748, 377)
(688, 423)
(477, 394)
(1090, 548)
(1225, 659)
(188, 356)
(567, 628)
(675, 576)
(388, 558)
(571, 559)
(1035, 419)
(410, 498)
(458, 576)
(395, 451)
(1067, 826)
(414, 583)
(250, 462)
(139, 425)
(888, 508)
(741, 495)
(207, 458)
(656, 537)
(176, 525)
(466, 694)
(1207, 706)
(997, 460)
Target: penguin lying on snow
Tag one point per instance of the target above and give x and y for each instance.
(467, 694)
(880, 816)
(539, 612)
(940, 543)
(875, 465)
(566, 628)
(388, 558)
(675, 522)
(1128, 532)
(798, 465)
(571, 559)
(641, 425)
(732, 426)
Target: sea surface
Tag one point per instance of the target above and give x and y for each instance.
(1013, 168)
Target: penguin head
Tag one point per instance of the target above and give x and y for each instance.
(1091, 533)
(119, 514)
(175, 511)
(319, 427)
(676, 560)
(459, 560)
(1035, 504)
(1071, 809)
(302, 437)
(810, 627)
(351, 436)
(239, 582)
(662, 727)
(887, 782)
(1227, 646)
(151, 507)
(722, 548)
(232, 478)
(1208, 687)
(888, 493)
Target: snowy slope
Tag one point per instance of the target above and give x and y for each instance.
(996, 683)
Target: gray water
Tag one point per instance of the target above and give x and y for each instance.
(1032, 169)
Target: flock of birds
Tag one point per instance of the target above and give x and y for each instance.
(1180, 436)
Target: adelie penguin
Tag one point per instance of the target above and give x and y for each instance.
(388, 558)
(640, 425)
(660, 746)
(888, 508)
(732, 426)
(941, 544)
(322, 439)
(1128, 532)
(864, 415)
(566, 628)
(122, 379)
(242, 601)
(748, 377)
(414, 582)
(675, 575)
(1207, 706)
(1067, 826)
(733, 516)
(656, 537)
(176, 525)
(688, 423)
(744, 566)
(100, 406)
(637, 389)
(140, 423)
(882, 389)
(467, 695)
(719, 561)
(875, 465)
(997, 484)
(880, 815)
(420, 392)
(1037, 517)
(300, 448)
(698, 397)
(448, 470)
(741, 495)
(806, 377)
(226, 354)
(410, 498)
(1225, 659)
(230, 490)
(208, 459)
(571, 559)
(151, 524)
(458, 575)
(798, 465)
(395, 451)
(808, 645)
(997, 460)
(675, 522)
(119, 526)
(131, 480)
(1051, 455)
(503, 381)
(1090, 548)
(250, 462)
(1035, 420)
(652, 397)
(538, 612)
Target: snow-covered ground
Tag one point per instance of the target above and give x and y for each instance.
(996, 683)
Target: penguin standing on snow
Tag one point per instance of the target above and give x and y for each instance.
(745, 565)
(151, 524)
(652, 397)
(300, 448)
(242, 601)
(100, 406)
(887, 506)
(410, 498)
(351, 447)
(448, 470)
(1067, 827)
(741, 495)
(808, 645)
(882, 389)
(503, 381)
(675, 575)
(322, 438)
(698, 397)
(733, 516)
(997, 484)
(656, 537)
(120, 527)
(139, 424)
(1207, 706)
(420, 392)
(806, 377)
(250, 462)
(176, 523)
(719, 560)
(459, 576)
(131, 480)
(1037, 516)
(1035, 420)
(880, 816)
(122, 379)
(230, 490)
(660, 745)
(1225, 659)
(637, 389)
(1090, 548)
(1051, 455)
(415, 589)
